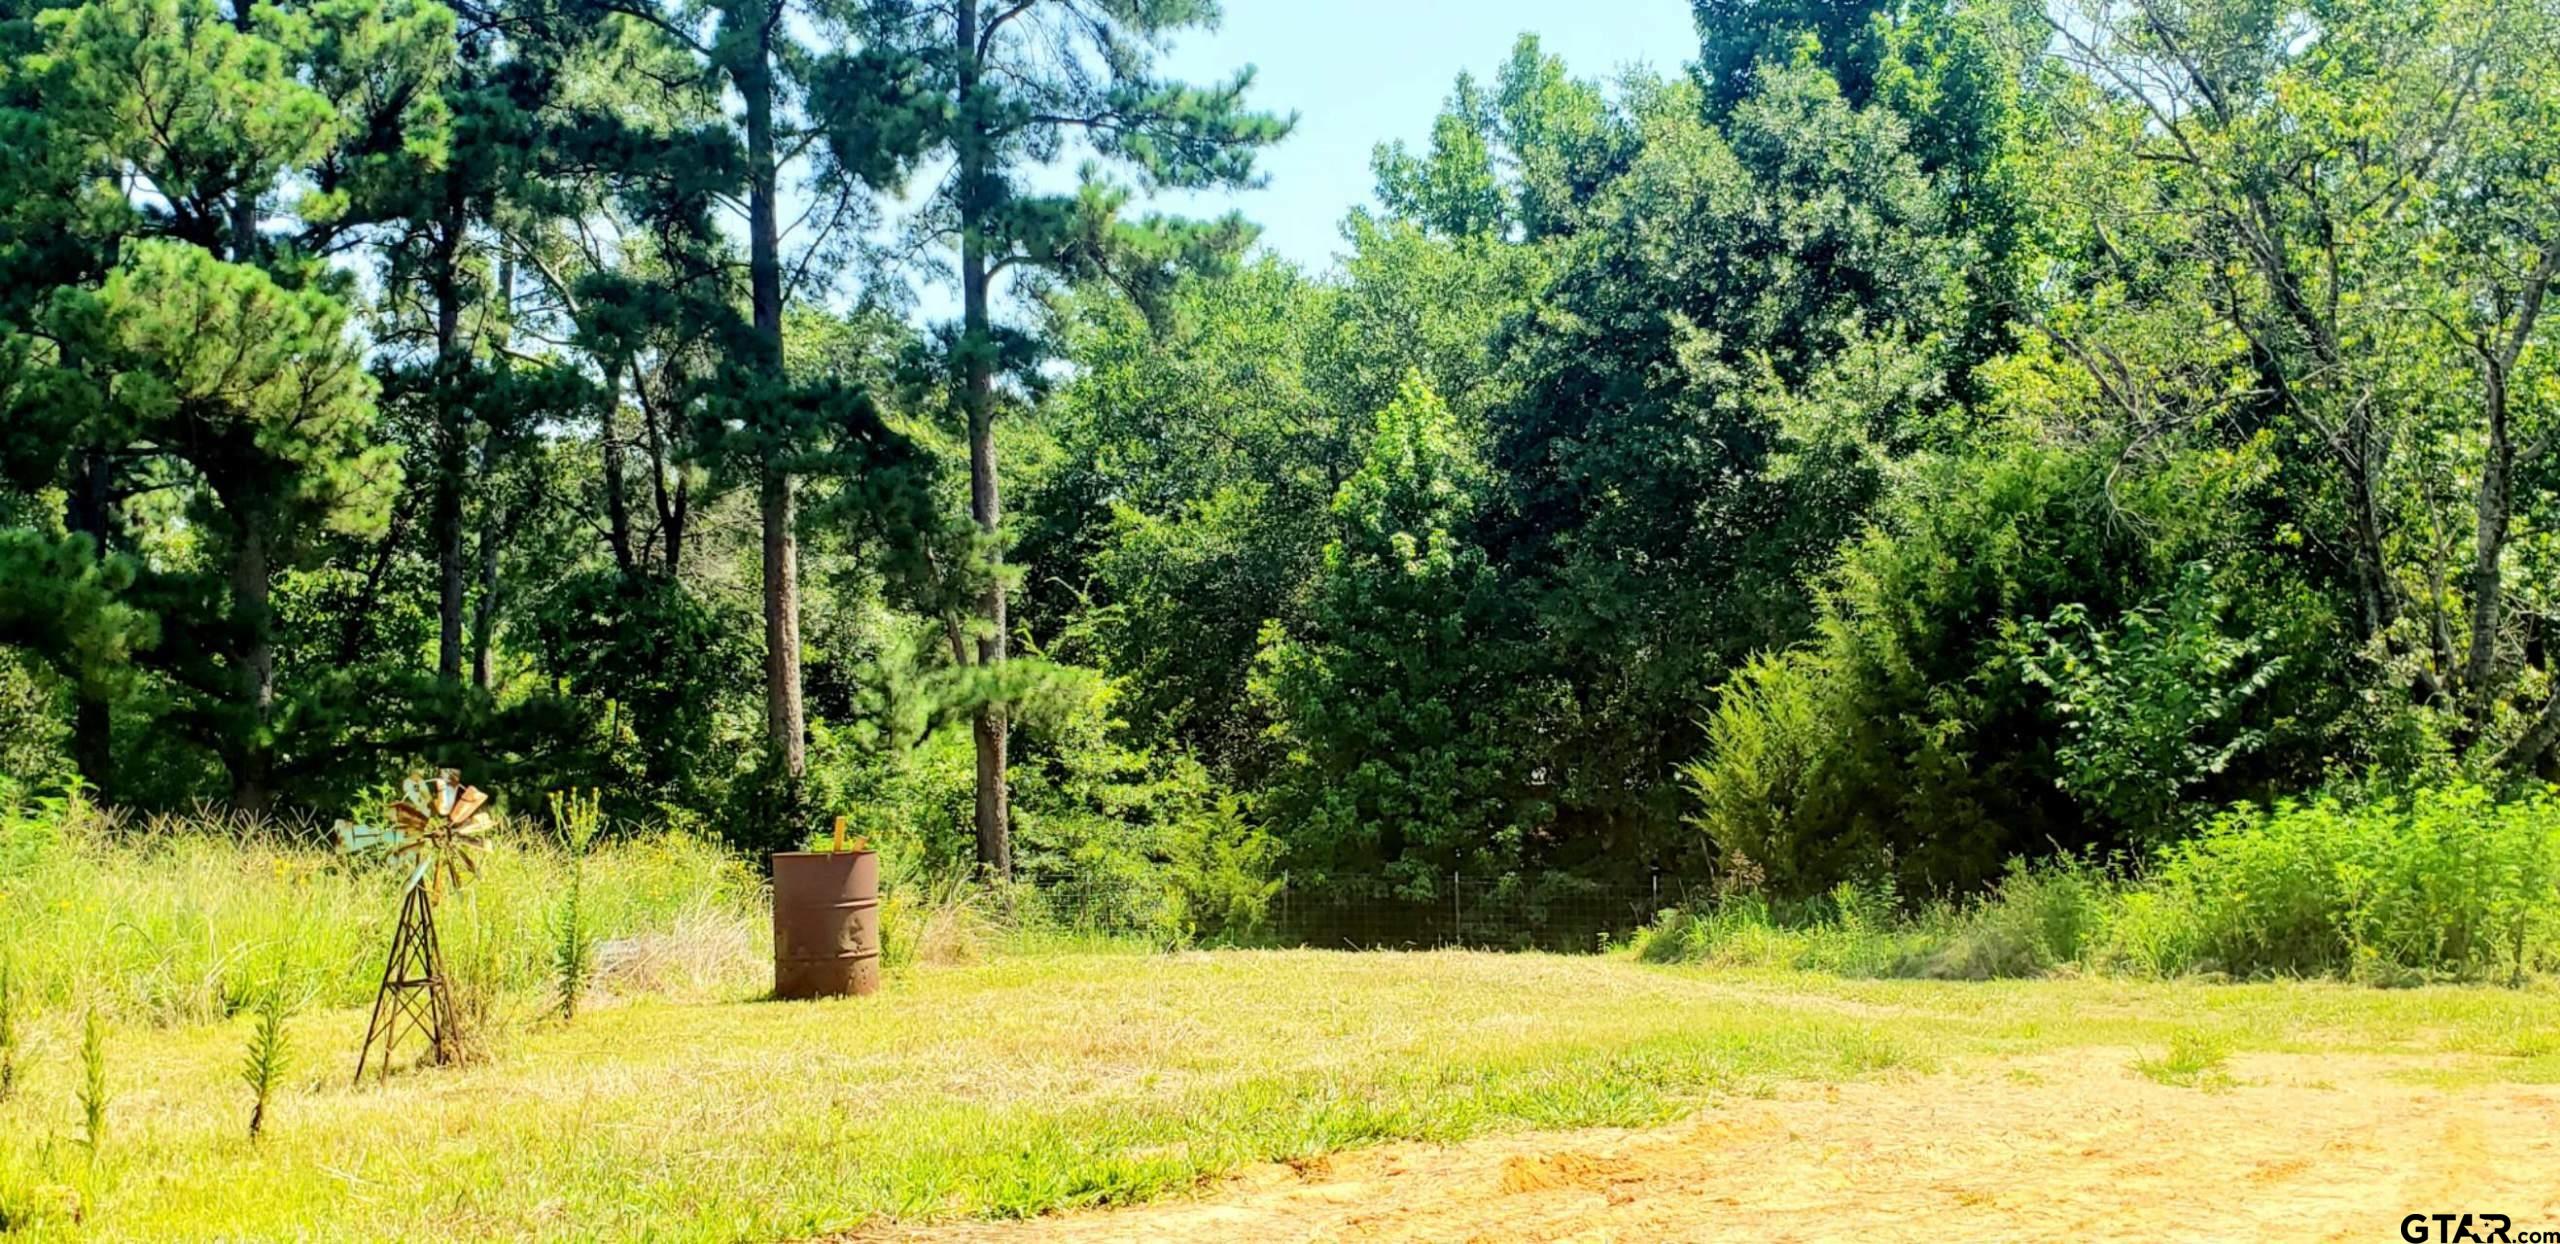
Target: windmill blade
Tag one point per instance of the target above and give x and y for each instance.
(355, 839)
(435, 831)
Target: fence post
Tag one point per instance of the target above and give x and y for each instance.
(1457, 914)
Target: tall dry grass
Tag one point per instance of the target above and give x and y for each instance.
(181, 919)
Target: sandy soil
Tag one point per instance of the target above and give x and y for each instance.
(2076, 1147)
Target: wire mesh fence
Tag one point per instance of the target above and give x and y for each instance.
(1373, 912)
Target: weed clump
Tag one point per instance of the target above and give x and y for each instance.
(94, 1094)
(8, 1029)
(262, 1068)
(2195, 1059)
(573, 941)
(2445, 883)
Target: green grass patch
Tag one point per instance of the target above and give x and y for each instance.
(1023, 1086)
(2197, 1060)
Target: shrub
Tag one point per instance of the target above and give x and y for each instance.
(1763, 797)
(1905, 736)
(2443, 882)
(2149, 709)
(1993, 674)
(1220, 874)
(2446, 881)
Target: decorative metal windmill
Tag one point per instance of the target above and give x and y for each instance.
(437, 828)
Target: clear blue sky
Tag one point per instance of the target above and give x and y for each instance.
(1362, 72)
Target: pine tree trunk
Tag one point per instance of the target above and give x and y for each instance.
(254, 760)
(783, 723)
(990, 729)
(87, 512)
(617, 503)
(451, 432)
(484, 607)
(357, 622)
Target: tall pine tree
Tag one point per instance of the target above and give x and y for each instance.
(1016, 83)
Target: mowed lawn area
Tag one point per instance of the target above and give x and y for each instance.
(1031, 1085)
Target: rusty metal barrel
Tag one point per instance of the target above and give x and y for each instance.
(826, 924)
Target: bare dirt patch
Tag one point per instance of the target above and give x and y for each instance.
(2069, 1146)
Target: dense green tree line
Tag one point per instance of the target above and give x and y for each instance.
(1918, 435)
(1909, 436)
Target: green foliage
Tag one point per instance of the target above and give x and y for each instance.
(1903, 738)
(1149, 841)
(2444, 881)
(657, 664)
(1196, 455)
(1135, 839)
(189, 920)
(2194, 1059)
(95, 1096)
(1853, 931)
(1394, 698)
(10, 1020)
(67, 602)
(2151, 710)
(573, 943)
(1764, 799)
(1221, 873)
(2033, 920)
(1516, 162)
(262, 1067)
(1731, 350)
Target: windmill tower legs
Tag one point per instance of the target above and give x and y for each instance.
(413, 993)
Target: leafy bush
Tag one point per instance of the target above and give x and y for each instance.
(2446, 881)
(1994, 674)
(1763, 798)
(2443, 882)
(2151, 708)
(1904, 739)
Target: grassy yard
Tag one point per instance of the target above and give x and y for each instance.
(1033, 1084)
